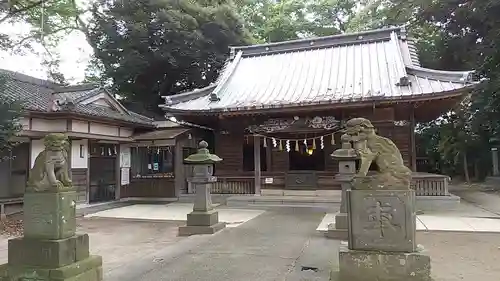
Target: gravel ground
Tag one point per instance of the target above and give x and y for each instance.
(463, 256)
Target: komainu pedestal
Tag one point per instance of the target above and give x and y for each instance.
(382, 220)
(381, 215)
(382, 245)
(50, 249)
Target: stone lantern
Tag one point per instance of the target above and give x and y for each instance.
(346, 156)
(203, 219)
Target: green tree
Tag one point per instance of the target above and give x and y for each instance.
(154, 48)
(468, 40)
(275, 21)
(49, 21)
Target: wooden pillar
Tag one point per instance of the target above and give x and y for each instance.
(118, 173)
(88, 151)
(269, 161)
(256, 156)
(179, 176)
(9, 175)
(413, 151)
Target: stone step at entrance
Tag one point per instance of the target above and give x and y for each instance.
(326, 202)
(302, 193)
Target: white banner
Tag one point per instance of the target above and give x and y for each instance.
(125, 176)
(125, 156)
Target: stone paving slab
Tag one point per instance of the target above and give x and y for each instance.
(438, 223)
(267, 248)
(489, 201)
(175, 212)
(463, 224)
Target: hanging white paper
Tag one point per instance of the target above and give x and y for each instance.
(125, 176)
(125, 157)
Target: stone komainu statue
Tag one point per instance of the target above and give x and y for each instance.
(372, 148)
(51, 171)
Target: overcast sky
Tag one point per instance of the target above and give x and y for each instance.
(74, 53)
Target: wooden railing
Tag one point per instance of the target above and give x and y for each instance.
(426, 184)
(229, 185)
(423, 183)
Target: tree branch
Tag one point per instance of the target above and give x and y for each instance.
(11, 13)
(79, 22)
(38, 35)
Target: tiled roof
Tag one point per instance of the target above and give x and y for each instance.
(37, 95)
(374, 65)
(161, 134)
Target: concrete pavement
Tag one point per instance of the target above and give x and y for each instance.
(273, 246)
(489, 201)
(439, 223)
(174, 212)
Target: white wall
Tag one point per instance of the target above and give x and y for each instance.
(102, 129)
(46, 125)
(78, 162)
(80, 126)
(36, 147)
(126, 132)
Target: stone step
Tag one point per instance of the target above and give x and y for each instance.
(295, 201)
(307, 193)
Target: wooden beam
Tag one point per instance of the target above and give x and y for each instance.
(413, 150)
(256, 156)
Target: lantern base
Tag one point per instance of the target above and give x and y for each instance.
(189, 230)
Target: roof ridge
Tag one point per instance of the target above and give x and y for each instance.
(323, 41)
(226, 75)
(131, 112)
(21, 77)
(76, 88)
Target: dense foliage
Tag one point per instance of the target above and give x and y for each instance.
(154, 48)
(469, 40)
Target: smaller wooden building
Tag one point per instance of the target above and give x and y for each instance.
(114, 152)
(276, 109)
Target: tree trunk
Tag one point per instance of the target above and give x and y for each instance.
(466, 168)
(476, 170)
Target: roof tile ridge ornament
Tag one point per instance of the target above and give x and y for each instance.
(58, 103)
(403, 33)
(466, 76)
(186, 96)
(226, 76)
(400, 66)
